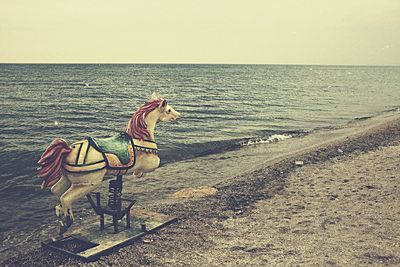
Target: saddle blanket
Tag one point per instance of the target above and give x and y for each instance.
(91, 154)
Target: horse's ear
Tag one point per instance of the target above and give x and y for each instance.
(162, 105)
(154, 96)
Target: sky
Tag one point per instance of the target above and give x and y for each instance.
(349, 32)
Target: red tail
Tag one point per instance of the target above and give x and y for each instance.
(51, 160)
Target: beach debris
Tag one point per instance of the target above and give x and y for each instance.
(340, 151)
(299, 163)
(333, 197)
(148, 240)
(371, 187)
(193, 192)
(238, 212)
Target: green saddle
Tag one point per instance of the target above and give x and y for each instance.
(117, 145)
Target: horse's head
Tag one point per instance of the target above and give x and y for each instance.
(141, 125)
(167, 113)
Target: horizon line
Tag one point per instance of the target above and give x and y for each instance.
(184, 63)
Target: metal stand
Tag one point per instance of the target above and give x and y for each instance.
(114, 205)
(89, 243)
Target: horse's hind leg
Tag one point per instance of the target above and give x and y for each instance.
(61, 186)
(59, 189)
(82, 184)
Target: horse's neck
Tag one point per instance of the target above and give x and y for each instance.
(151, 121)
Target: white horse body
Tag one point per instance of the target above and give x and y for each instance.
(74, 185)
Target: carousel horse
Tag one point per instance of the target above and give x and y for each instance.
(74, 171)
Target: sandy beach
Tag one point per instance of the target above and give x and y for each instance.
(339, 208)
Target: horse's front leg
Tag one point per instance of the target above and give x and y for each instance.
(147, 163)
(138, 174)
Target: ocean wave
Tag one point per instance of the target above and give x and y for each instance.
(392, 109)
(271, 139)
(181, 152)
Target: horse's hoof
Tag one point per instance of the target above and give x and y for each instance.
(58, 210)
(69, 221)
(65, 226)
(63, 229)
(139, 174)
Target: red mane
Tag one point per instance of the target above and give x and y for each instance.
(137, 126)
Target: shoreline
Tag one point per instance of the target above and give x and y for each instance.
(202, 222)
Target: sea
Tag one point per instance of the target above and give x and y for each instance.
(224, 108)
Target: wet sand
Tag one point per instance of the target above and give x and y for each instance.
(340, 208)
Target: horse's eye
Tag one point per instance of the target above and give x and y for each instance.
(169, 110)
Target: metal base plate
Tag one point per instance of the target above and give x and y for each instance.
(87, 242)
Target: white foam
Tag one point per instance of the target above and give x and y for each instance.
(271, 139)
